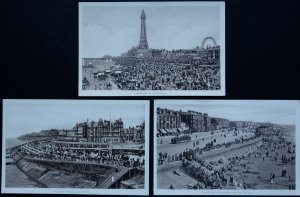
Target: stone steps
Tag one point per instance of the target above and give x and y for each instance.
(117, 175)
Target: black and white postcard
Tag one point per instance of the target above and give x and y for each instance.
(226, 147)
(75, 147)
(152, 49)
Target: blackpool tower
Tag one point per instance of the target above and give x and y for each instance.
(143, 37)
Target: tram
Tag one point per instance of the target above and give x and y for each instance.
(180, 139)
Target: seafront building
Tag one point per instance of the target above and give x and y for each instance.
(168, 119)
(172, 122)
(101, 131)
(194, 120)
(108, 131)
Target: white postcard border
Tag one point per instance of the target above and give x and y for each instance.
(220, 92)
(143, 192)
(158, 103)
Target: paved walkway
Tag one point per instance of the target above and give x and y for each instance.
(178, 148)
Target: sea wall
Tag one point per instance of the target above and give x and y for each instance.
(51, 178)
(233, 150)
(32, 170)
(215, 154)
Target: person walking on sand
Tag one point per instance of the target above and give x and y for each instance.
(273, 178)
(171, 186)
(270, 176)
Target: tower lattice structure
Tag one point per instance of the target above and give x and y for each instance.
(143, 36)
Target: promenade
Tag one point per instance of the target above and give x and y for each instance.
(200, 140)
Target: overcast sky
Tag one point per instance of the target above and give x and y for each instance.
(114, 29)
(282, 112)
(26, 116)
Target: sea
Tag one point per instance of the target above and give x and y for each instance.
(14, 177)
(12, 142)
(289, 133)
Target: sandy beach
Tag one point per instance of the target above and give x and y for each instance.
(270, 165)
(254, 170)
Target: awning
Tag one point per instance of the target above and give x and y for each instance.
(169, 130)
(180, 129)
(164, 131)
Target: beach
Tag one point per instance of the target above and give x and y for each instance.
(264, 162)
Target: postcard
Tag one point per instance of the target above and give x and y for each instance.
(75, 147)
(152, 49)
(226, 147)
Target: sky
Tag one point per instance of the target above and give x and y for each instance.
(26, 116)
(281, 112)
(113, 30)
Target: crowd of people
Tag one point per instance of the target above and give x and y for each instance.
(50, 151)
(273, 149)
(176, 71)
(168, 75)
(209, 178)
